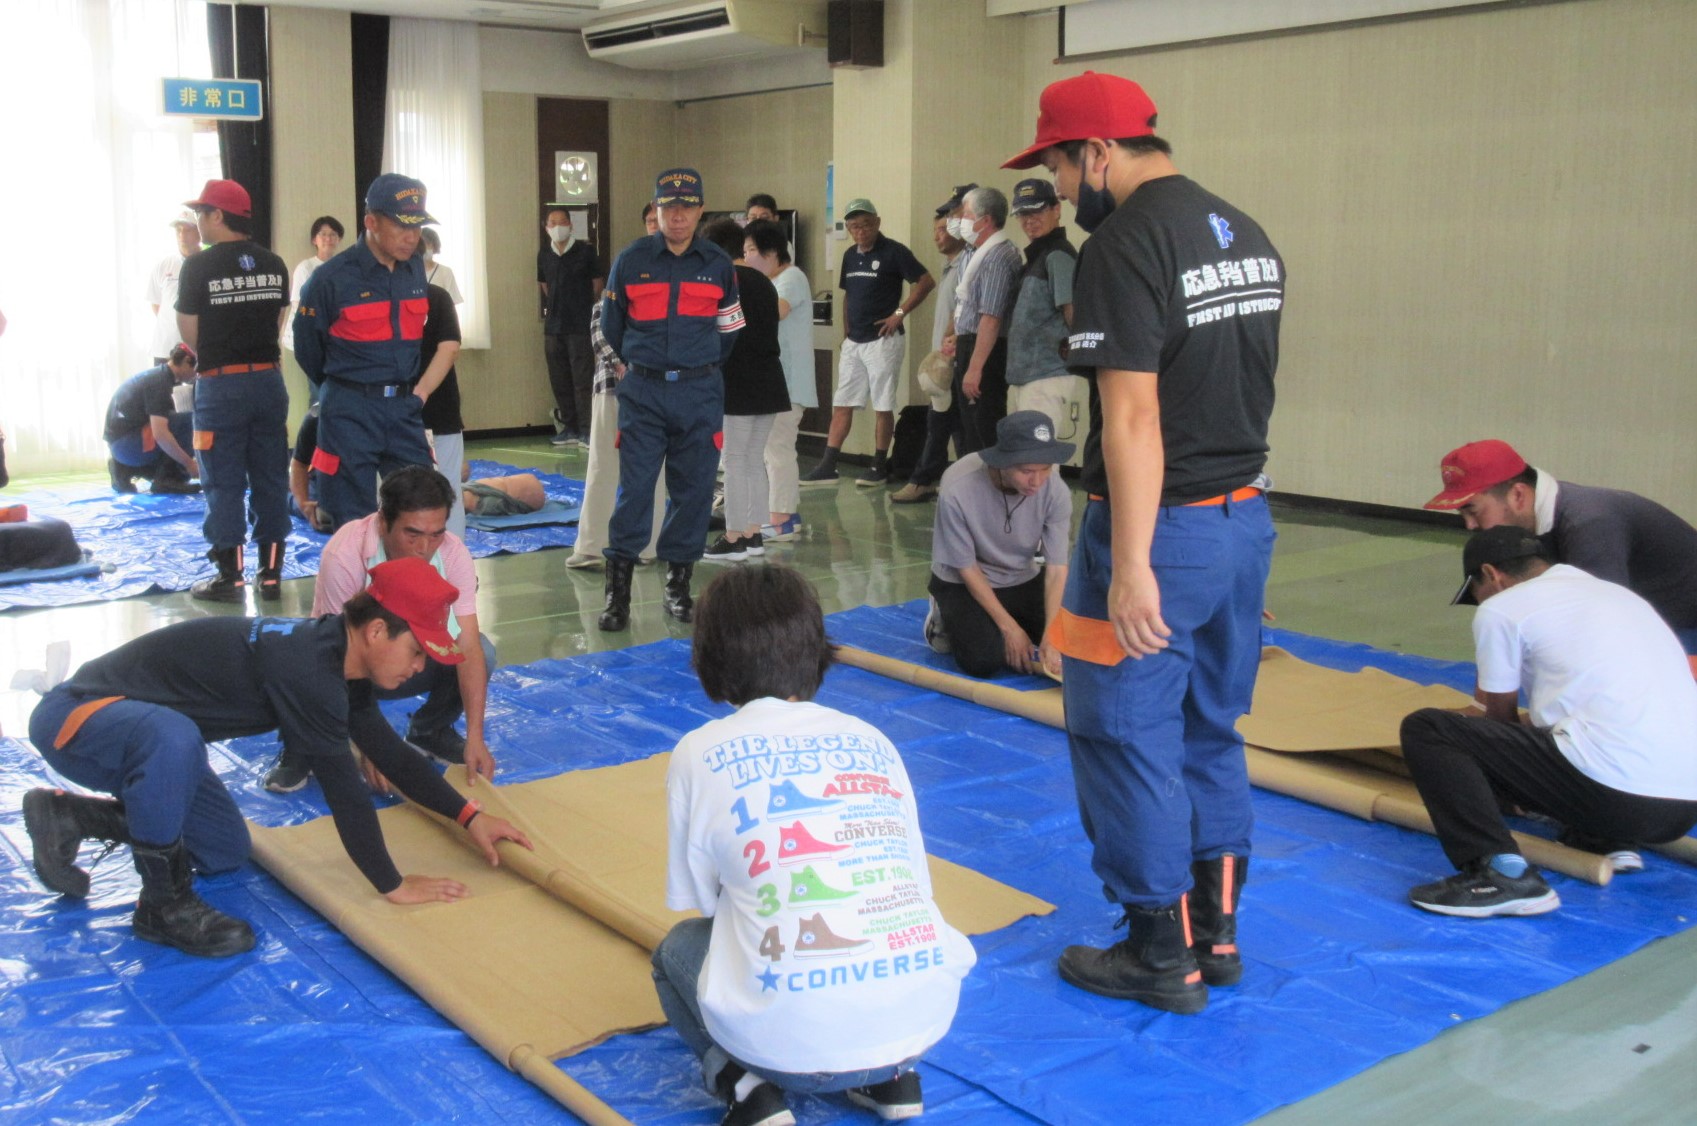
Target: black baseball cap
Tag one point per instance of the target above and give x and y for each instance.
(955, 200)
(1496, 546)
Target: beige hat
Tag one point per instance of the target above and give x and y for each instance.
(936, 376)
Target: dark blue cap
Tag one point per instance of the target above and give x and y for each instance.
(399, 197)
(678, 185)
(955, 200)
(1033, 195)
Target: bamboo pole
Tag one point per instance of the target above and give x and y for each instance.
(1348, 787)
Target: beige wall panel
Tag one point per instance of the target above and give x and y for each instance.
(640, 149)
(507, 384)
(963, 117)
(1482, 221)
(312, 133)
(777, 143)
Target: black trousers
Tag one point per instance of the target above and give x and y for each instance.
(979, 419)
(974, 639)
(1468, 767)
(940, 426)
(571, 376)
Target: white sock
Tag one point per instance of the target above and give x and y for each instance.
(746, 1085)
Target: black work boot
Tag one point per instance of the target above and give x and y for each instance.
(228, 585)
(1213, 917)
(271, 571)
(171, 479)
(617, 614)
(1151, 964)
(171, 914)
(678, 603)
(122, 476)
(58, 823)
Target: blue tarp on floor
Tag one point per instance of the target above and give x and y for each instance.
(152, 544)
(1341, 972)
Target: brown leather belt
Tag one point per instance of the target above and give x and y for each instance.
(235, 369)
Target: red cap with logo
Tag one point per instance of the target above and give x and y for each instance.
(1473, 468)
(412, 590)
(227, 196)
(1091, 105)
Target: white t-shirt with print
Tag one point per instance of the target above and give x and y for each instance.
(794, 827)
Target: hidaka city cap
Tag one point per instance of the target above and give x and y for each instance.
(412, 590)
(936, 377)
(185, 219)
(1091, 105)
(1034, 195)
(955, 200)
(399, 197)
(1026, 438)
(859, 207)
(1496, 546)
(225, 195)
(1471, 469)
(678, 185)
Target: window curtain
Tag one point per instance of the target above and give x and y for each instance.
(371, 89)
(435, 133)
(94, 175)
(239, 38)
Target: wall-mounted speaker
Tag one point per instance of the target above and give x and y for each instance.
(855, 31)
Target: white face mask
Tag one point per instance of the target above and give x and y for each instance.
(953, 225)
(967, 235)
(562, 235)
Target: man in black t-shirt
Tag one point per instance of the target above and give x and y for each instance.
(231, 301)
(135, 723)
(569, 275)
(1176, 326)
(147, 435)
(869, 365)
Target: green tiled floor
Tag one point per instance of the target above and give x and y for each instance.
(1574, 1055)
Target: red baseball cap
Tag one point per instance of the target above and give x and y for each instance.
(1473, 468)
(227, 196)
(1091, 105)
(411, 589)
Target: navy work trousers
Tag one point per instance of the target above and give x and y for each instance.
(362, 431)
(154, 761)
(1156, 755)
(241, 432)
(673, 423)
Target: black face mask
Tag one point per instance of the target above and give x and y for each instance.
(1093, 206)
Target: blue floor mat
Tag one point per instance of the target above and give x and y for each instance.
(1341, 972)
(154, 543)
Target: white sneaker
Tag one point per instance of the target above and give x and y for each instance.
(1626, 860)
(581, 562)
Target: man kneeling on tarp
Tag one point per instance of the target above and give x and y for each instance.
(1608, 747)
(822, 964)
(135, 723)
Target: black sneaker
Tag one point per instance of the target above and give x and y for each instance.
(288, 776)
(764, 1106)
(877, 475)
(444, 743)
(820, 477)
(1481, 891)
(893, 1099)
(755, 545)
(726, 551)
